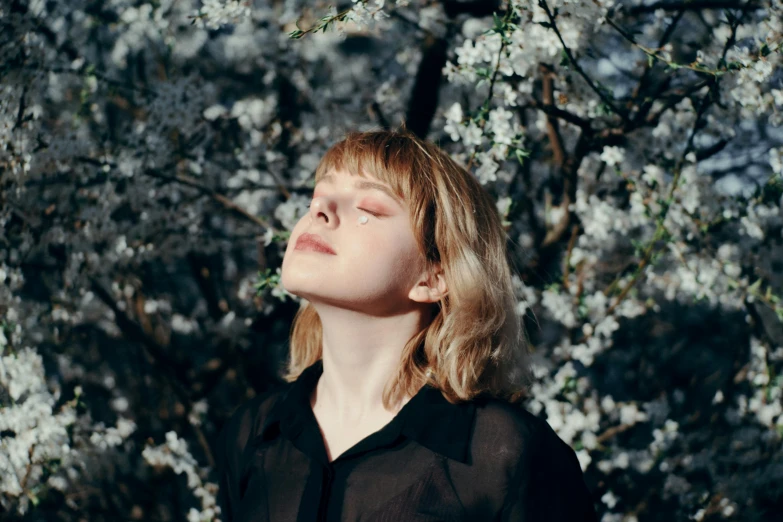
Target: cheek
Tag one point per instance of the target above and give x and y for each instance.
(388, 240)
(394, 252)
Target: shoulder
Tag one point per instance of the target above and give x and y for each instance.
(247, 419)
(511, 436)
(511, 422)
(543, 478)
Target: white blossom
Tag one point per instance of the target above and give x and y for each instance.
(612, 155)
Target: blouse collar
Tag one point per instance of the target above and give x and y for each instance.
(428, 418)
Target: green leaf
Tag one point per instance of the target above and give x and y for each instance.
(564, 61)
(283, 235)
(754, 288)
(266, 279)
(483, 72)
(498, 25)
(521, 154)
(602, 109)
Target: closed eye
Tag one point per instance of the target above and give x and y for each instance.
(376, 214)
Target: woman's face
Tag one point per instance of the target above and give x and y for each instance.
(374, 266)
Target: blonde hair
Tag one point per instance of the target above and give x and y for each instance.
(475, 344)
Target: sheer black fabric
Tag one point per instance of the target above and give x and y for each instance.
(483, 460)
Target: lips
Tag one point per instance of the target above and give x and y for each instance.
(313, 242)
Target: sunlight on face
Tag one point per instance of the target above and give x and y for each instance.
(373, 264)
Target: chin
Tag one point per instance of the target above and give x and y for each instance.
(299, 284)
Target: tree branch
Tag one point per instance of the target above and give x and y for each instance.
(693, 5)
(557, 112)
(135, 333)
(220, 198)
(426, 87)
(593, 86)
(645, 106)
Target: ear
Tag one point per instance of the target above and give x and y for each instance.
(430, 288)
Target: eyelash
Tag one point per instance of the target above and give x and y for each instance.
(375, 214)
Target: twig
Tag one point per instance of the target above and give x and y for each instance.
(488, 100)
(552, 128)
(220, 198)
(20, 113)
(654, 54)
(557, 112)
(648, 67)
(693, 5)
(604, 98)
(567, 262)
(135, 333)
(611, 432)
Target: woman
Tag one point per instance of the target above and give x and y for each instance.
(407, 360)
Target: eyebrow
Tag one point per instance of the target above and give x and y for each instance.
(363, 184)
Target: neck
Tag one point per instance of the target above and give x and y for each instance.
(361, 354)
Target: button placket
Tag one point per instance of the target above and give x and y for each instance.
(327, 480)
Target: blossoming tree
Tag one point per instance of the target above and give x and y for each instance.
(155, 155)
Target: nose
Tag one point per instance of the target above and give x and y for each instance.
(322, 206)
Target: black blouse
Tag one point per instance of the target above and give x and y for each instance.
(483, 460)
